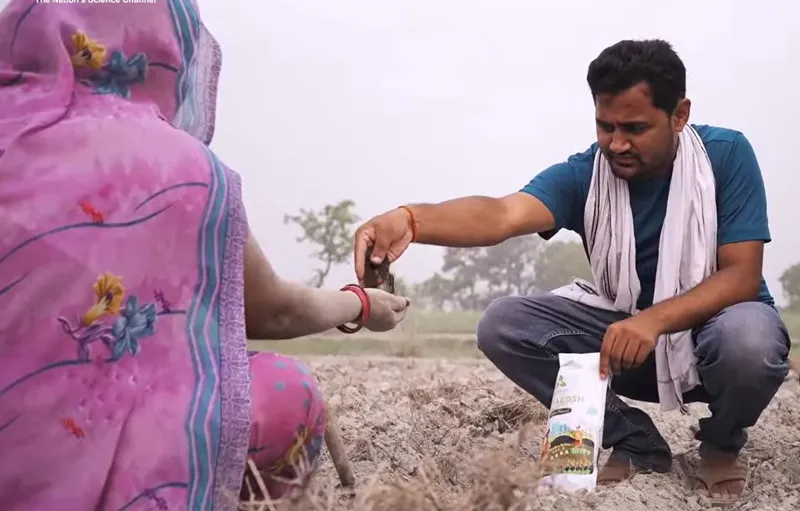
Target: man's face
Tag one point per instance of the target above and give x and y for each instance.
(637, 138)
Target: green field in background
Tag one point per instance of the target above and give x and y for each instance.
(364, 346)
(422, 334)
(464, 322)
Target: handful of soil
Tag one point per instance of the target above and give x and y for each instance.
(378, 275)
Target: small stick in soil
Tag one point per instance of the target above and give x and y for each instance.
(376, 276)
(333, 439)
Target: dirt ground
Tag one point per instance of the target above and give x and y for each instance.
(446, 431)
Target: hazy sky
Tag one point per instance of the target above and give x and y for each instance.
(387, 102)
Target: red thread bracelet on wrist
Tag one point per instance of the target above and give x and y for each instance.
(412, 222)
(365, 309)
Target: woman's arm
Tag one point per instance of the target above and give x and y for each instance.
(276, 309)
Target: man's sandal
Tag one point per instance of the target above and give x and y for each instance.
(709, 475)
(620, 467)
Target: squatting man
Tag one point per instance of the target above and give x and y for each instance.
(673, 217)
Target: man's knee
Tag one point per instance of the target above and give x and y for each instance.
(513, 319)
(747, 340)
(493, 327)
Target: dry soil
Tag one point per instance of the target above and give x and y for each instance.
(433, 434)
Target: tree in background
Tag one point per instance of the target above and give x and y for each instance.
(471, 278)
(790, 281)
(331, 231)
(510, 268)
(434, 292)
(559, 262)
(402, 287)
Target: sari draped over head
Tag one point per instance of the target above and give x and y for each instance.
(124, 378)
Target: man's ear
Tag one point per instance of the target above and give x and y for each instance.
(681, 115)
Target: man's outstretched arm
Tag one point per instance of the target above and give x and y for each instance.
(480, 221)
(545, 205)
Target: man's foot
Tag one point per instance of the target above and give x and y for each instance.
(721, 478)
(615, 470)
(620, 467)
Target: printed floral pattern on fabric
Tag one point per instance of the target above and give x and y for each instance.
(130, 324)
(296, 452)
(88, 53)
(118, 323)
(95, 214)
(109, 292)
(288, 420)
(114, 77)
(166, 427)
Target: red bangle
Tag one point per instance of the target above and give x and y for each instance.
(365, 309)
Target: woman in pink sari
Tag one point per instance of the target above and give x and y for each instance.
(129, 281)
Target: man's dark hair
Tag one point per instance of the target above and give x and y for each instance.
(627, 63)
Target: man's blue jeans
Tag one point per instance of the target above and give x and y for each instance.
(742, 357)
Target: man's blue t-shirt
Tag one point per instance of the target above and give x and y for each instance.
(741, 200)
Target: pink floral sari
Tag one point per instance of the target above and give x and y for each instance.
(124, 376)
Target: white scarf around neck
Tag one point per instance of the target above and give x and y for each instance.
(687, 253)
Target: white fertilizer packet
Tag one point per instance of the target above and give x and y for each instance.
(575, 426)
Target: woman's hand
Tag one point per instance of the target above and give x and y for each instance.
(386, 310)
